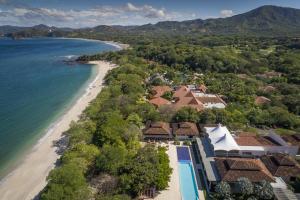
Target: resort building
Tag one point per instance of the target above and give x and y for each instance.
(186, 96)
(157, 130)
(282, 165)
(223, 143)
(231, 169)
(191, 96)
(159, 101)
(185, 130)
(158, 91)
(250, 144)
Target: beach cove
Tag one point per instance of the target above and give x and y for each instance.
(29, 177)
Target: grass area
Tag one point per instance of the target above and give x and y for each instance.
(282, 131)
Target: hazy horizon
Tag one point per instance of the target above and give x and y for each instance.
(91, 13)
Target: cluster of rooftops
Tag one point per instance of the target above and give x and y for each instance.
(226, 156)
(186, 96)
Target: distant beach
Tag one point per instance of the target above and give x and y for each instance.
(29, 178)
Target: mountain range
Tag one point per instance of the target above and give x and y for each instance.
(263, 21)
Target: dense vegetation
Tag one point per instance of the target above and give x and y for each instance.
(105, 159)
(244, 190)
(233, 67)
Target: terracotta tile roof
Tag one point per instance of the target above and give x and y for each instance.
(247, 140)
(160, 90)
(253, 140)
(230, 169)
(184, 97)
(215, 99)
(268, 88)
(159, 101)
(281, 165)
(185, 128)
(260, 100)
(181, 91)
(157, 128)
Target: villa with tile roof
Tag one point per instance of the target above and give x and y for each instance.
(159, 101)
(185, 130)
(157, 130)
(250, 144)
(231, 169)
(158, 91)
(282, 165)
(188, 96)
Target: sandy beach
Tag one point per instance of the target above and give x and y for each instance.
(29, 178)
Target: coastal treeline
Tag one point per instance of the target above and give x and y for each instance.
(105, 159)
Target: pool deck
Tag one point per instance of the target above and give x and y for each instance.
(173, 191)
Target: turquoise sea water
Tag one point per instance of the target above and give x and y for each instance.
(36, 88)
(188, 186)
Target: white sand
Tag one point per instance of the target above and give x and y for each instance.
(29, 178)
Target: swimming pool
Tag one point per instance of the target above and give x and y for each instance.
(188, 186)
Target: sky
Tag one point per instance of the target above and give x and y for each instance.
(89, 13)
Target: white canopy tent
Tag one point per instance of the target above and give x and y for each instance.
(221, 139)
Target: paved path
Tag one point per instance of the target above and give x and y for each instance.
(173, 191)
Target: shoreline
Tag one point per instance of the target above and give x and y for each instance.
(20, 182)
(119, 46)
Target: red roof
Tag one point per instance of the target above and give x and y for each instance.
(185, 98)
(231, 169)
(185, 129)
(157, 128)
(159, 101)
(262, 100)
(253, 140)
(281, 165)
(160, 90)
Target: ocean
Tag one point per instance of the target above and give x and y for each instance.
(37, 87)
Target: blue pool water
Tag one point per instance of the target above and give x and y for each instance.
(183, 154)
(188, 186)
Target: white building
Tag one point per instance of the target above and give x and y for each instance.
(224, 143)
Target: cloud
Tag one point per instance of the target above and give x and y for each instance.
(226, 13)
(128, 14)
(132, 7)
(146, 10)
